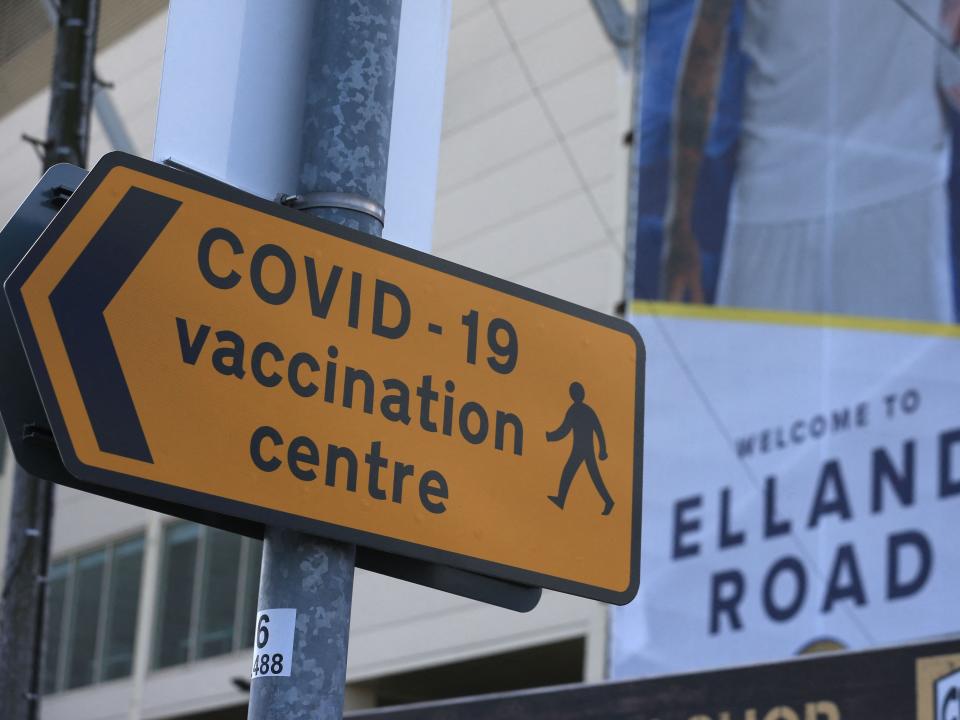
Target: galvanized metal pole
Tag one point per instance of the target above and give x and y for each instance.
(23, 597)
(349, 103)
(343, 177)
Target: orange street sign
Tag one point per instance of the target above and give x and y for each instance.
(198, 345)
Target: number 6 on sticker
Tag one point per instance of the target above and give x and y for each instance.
(263, 635)
(273, 647)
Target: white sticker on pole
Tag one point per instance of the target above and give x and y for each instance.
(273, 645)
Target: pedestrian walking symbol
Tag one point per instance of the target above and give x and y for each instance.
(583, 422)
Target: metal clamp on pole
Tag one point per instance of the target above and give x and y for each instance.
(340, 200)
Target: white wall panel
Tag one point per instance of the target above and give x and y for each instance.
(525, 18)
(583, 97)
(565, 226)
(566, 47)
(482, 91)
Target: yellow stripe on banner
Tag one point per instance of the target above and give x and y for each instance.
(784, 317)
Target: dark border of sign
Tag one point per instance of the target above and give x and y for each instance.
(233, 508)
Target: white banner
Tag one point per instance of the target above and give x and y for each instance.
(801, 487)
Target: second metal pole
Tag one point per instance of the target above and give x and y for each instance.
(343, 177)
(24, 581)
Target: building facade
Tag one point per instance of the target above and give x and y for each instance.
(152, 617)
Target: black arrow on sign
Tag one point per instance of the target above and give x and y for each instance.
(79, 301)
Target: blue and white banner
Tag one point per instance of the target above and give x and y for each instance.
(801, 487)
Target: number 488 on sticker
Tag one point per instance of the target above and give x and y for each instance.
(273, 645)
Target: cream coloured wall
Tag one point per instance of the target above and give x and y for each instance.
(530, 182)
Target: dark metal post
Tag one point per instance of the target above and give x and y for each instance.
(23, 600)
(24, 596)
(343, 177)
(71, 92)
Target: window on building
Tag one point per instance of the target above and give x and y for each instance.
(53, 630)
(85, 618)
(176, 590)
(208, 594)
(122, 606)
(92, 602)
